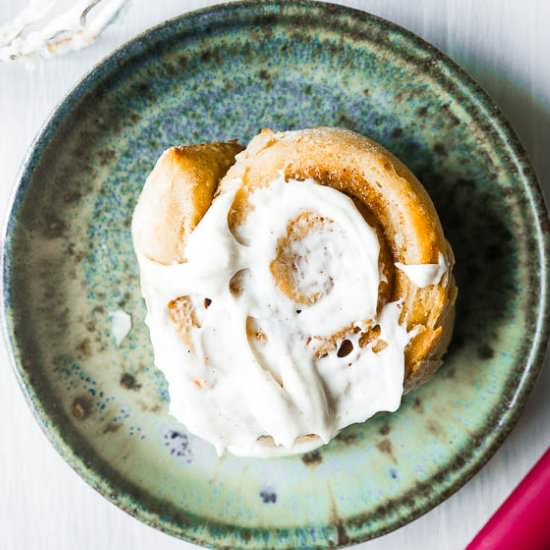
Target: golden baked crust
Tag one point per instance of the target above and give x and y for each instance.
(390, 198)
(175, 197)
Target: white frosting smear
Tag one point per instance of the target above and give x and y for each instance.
(423, 275)
(121, 324)
(235, 387)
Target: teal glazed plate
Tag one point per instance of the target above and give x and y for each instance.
(68, 264)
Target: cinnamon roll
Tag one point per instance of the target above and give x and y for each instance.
(293, 288)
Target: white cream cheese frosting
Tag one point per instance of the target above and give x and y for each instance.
(260, 397)
(121, 324)
(423, 275)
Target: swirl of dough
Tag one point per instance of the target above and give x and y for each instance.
(392, 201)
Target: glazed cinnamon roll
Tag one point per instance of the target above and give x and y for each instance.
(293, 288)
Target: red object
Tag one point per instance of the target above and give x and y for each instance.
(523, 521)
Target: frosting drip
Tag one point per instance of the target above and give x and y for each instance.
(423, 275)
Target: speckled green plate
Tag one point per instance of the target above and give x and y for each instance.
(224, 73)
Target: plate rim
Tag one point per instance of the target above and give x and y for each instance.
(534, 357)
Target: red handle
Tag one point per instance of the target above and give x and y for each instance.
(523, 521)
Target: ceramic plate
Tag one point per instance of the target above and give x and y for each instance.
(225, 73)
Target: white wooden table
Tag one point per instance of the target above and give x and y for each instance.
(44, 505)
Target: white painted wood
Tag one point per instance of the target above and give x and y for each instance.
(504, 44)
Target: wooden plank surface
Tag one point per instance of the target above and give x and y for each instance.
(44, 505)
